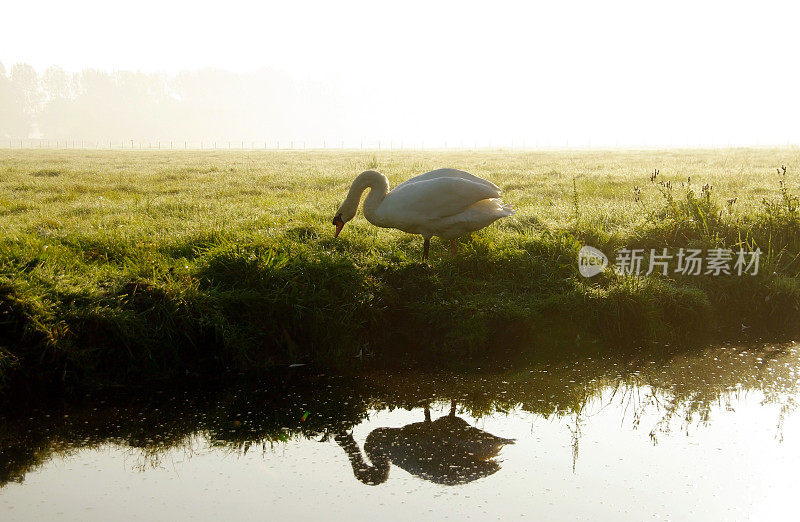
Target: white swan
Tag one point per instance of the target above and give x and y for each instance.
(447, 203)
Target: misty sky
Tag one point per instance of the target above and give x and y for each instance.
(499, 73)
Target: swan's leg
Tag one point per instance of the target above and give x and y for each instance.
(427, 413)
(426, 248)
(453, 247)
(452, 407)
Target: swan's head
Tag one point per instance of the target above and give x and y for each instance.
(343, 215)
(339, 223)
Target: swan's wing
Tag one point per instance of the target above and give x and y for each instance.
(448, 173)
(434, 198)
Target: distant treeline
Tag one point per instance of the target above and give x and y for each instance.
(207, 104)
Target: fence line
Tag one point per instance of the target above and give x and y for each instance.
(37, 143)
(274, 145)
(41, 143)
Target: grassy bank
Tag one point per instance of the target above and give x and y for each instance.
(123, 266)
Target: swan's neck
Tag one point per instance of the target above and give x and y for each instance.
(378, 187)
(375, 474)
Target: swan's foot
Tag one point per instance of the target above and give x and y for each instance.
(426, 248)
(453, 247)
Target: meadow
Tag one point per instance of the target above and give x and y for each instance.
(129, 266)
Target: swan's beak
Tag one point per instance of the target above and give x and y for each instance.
(339, 224)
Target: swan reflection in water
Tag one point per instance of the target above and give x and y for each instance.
(445, 451)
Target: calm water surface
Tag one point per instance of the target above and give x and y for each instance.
(711, 436)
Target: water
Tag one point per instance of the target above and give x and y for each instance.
(712, 436)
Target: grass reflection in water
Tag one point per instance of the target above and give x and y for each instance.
(682, 390)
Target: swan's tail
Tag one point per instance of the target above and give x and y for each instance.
(500, 209)
(495, 208)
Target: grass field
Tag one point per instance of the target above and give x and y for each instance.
(124, 265)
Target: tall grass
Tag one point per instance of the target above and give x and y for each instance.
(125, 266)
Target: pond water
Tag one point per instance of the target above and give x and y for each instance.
(711, 436)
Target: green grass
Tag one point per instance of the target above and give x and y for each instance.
(130, 266)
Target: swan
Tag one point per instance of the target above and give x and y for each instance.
(447, 203)
(445, 451)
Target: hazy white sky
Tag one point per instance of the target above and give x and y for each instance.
(543, 73)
